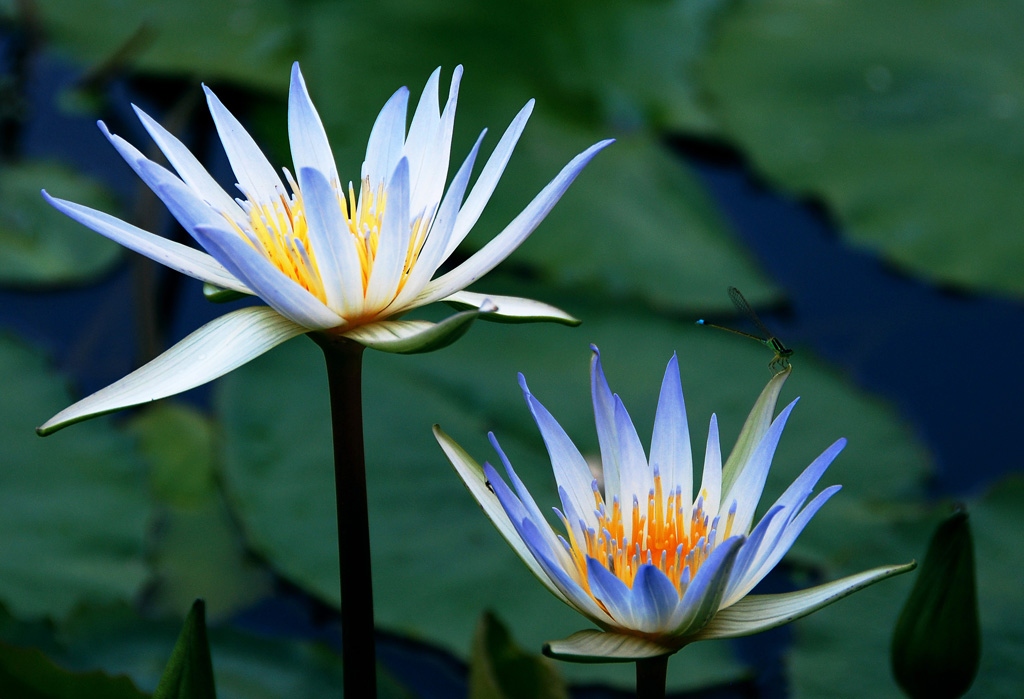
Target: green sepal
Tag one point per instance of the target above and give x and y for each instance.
(500, 669)
(511, 309)
(755, 427)
(936, 645)
(215, 294)
(413, 336)
(189, 672)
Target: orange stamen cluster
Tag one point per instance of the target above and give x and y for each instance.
(279, 230)
(672, 535)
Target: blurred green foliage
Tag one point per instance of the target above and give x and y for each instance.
(903, 119)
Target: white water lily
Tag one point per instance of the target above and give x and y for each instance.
(347, 259)
(653, 564)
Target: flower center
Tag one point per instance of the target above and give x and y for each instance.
(278, 229)
(674, 536)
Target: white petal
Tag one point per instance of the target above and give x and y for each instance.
(258, 178)
(473, 477)
(635, 478)
(334, 246)
(488, 257)
(190, 169)
(393, 245)
(591, 645)
(604, 418)
(306, 134)
(670, 443)
(570, 468)
(432, 253)
(387, 137)
(755, 613)
(428, 169)
(488, 180)
(178, 257)
(511, 309)
(423, 129)
(215, 349)
(711, 481)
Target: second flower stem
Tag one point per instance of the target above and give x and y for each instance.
(344, 377)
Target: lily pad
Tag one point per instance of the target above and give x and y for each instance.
(907, 119)
(38, 245)
(438, 561)
(251, 43)
(73, 508)
(28, 674)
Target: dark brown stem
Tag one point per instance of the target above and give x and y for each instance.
(344, 376)
(650, 677)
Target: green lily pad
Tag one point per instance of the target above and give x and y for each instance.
(28, 674)
(196, 549)
(40, 246)
(73, 508)
(438, 561)
(904, 118)
(244, 42)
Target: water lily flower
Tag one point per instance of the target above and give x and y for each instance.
(653, 564)
(346, 259)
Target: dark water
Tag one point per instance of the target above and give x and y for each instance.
(946, 359)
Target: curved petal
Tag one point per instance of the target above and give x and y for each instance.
(190, 169)
(754, 428)
(211, 351)
(654, 600)
(181, 258)
(703, 595)
(801, 488)
(755, 613)
(746, 489)
(306, 135)
(254, 173)
(500, 247)
(512, 309)
(612, 593)
(476, 482)
(279, 291)
(570, 468)
(670, 442)
(333, 245)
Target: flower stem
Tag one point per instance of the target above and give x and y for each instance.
(650, 677)
(344, 376)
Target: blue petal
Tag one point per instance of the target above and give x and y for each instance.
(670, 442)
(604, 417)
(613, 593)
(654, 599)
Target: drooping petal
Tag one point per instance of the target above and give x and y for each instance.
(254, 173)
(670, 442)
(387, 137)
(476, 482)
(336, 257)
(512, 309)
(215, 349)
(181, 258)
(571, 469)
(502, 245)
(755, 613)
(592, 646)
(414, 336)
(306, 135)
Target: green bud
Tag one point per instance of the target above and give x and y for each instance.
(936, 645)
